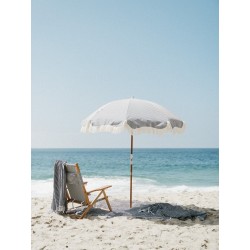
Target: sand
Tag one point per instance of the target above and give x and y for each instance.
(52, 231)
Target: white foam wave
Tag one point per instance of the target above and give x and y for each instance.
(120, 185)
(41, 188)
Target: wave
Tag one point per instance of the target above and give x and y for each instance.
(120, 185)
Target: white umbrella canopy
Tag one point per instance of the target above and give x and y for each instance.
(135, 116)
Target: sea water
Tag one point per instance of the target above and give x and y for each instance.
(153, 169)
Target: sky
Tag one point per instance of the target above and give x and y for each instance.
(87, 53)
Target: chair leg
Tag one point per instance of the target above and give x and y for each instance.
(90, 206)
(107, 200)
(86, 211)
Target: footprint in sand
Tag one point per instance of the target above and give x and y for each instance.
(36, 217)
(48, 222)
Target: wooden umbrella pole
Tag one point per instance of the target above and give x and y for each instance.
(131, 170)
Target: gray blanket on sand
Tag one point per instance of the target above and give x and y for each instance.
(59, 202)
(165, 211)
(156, 211)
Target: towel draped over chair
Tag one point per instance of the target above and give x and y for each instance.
(59, 201)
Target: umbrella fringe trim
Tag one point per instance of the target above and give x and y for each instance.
(88, 128)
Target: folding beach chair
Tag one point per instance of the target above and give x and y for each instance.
(77, 193)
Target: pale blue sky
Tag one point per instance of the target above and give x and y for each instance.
(88, 53)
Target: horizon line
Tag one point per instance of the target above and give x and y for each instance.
(125, 148)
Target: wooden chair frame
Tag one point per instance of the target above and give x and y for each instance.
(87, 202)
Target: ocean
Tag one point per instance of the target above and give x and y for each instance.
(153, 169)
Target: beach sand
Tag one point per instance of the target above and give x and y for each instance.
(52, 231)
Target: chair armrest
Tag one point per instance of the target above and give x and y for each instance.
(85, 183)
(99, 189)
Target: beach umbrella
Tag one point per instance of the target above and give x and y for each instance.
(135, 116)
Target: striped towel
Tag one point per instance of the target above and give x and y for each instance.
(59, 202)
